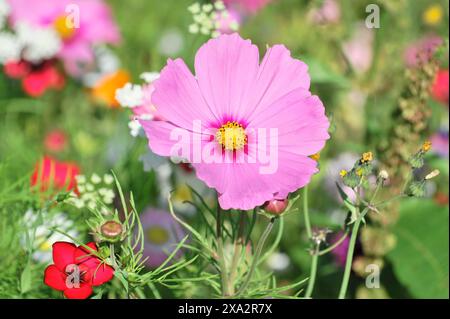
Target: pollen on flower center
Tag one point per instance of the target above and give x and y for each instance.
(157, 235)
(62, 27)
(231, 136)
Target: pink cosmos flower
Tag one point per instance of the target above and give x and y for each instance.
(96, 26)
(250, 6)
(234, 96)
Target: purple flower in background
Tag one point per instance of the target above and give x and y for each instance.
(340, 252)
(161, 236)
(440, 143)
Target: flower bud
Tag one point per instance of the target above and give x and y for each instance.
(276, 206)
(351, 179)
(433, 174)
(111, 229)
(383, 174)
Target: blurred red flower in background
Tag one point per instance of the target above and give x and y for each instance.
(36, 80)
(75, 270)
(439, 89)
(50, 173)
(55, 141)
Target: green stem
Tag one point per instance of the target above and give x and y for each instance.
(312, 276)
(306, 212)
(258, 251)
(238, 246)
(220, 253)
(337, 243)
(350, 251)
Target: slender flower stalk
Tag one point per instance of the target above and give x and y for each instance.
(220, 253)
(312, 276)
(350, 251)
(258, 251)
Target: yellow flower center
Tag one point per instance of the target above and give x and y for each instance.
(157, 235)
(231, 136)
(63, 28)
(433, 15)
(343, 173)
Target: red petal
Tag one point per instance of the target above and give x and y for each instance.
(83, 292)
(54, 278)
(86, 256)
(63, 254)
(102, 274)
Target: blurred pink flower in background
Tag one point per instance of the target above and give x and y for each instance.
(421, 50)
(232, 92)
(246, 6)
(359, 49)
(96, 26)
(161, 235)
(329, 12)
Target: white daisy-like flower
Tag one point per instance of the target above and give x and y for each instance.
(10, 47)
(108, 179)
(149, 77)
(131, 95)
(39, 43)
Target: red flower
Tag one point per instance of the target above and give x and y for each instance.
(76, 270)
(50, 173)
(55, 141)
(16, 69)
(37, 82)
(439, 89)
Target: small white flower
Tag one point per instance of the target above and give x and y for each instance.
(149, 77)
(92, 205)
(39, 43)
(108, 179)
(95, 179)
(219, 5)
(89, 187)
(130, 95)
(194, 8)
(81, 179)
(207, 7)
(135, 127)
(10, 47)
(193, 28)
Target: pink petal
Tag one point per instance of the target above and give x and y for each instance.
(166, 139)
(177, 97)
(226, 69)
(278, 75)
